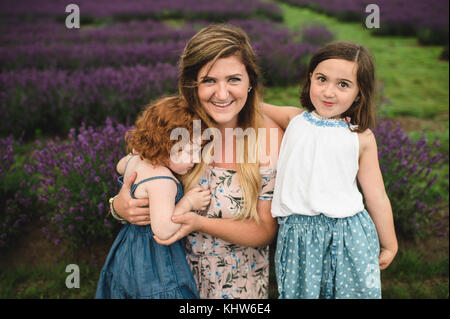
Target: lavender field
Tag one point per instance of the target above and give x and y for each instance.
(66, 77)
(426, 19)
(67, 97)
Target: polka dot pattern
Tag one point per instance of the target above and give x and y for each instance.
(327, 258)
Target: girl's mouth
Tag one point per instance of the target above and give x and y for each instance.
(329, 104)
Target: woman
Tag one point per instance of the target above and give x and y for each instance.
(228, 243)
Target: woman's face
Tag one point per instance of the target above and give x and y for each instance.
(223, 91)
(334, 87)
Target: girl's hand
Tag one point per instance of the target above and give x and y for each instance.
(199, 198)
(135, 211)
(386, 257)
(189, 222)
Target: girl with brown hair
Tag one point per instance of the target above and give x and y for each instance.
(329, 245)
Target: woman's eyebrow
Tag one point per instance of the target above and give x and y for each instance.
(228, 76)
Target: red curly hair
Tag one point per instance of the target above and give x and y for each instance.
(150, 137)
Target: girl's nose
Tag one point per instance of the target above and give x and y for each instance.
(328, 91)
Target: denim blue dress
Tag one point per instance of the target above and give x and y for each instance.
(139, 267)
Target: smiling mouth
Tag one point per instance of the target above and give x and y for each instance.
(222, 105)
(327, 103)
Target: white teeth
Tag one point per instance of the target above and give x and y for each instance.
(222, 104)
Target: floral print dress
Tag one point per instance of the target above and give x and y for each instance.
(221, 269)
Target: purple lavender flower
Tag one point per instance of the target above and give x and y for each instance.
(408, 169)
(74, 200)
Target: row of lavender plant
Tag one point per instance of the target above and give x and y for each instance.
(91, 81)
(426, 19)
(76, 176)
(53, 101)
(409, 171)
(88, 55)
(72, 179)
(50, 32)
(270, 40)
(121, 44)
(212, 10)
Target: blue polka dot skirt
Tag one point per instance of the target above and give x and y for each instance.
(327, 258)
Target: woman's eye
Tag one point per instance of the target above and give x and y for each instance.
(207, 80)
(343, 84)
(234, 79)
(321, 79)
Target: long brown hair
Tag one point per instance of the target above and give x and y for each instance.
(362, 111)
(210, 44)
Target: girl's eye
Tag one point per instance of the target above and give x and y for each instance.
(343, 84)
(321, 79)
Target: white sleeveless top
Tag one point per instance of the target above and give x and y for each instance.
(317, 169)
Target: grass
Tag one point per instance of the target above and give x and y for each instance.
(46, 281)
(415, 273)
(35, 268)
(412, 275)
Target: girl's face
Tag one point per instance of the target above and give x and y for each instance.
(183, 160)
(334, 87)
(223, 91)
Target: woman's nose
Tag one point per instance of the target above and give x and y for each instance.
(221, 92)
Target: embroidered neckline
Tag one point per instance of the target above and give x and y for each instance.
(317, 120)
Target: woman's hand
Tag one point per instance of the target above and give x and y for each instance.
(199, 198)
(135, 211)
(190, 222)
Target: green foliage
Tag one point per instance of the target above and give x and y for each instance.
(411, 275)
(46, 281)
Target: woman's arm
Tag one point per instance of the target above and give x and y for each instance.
(281, 115)
(240, 232)
(377, 201)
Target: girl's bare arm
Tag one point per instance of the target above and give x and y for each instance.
(281, 115)
(377, 201)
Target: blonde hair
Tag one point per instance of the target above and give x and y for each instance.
(210, 44)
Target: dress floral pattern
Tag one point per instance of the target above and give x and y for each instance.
(221, 269)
